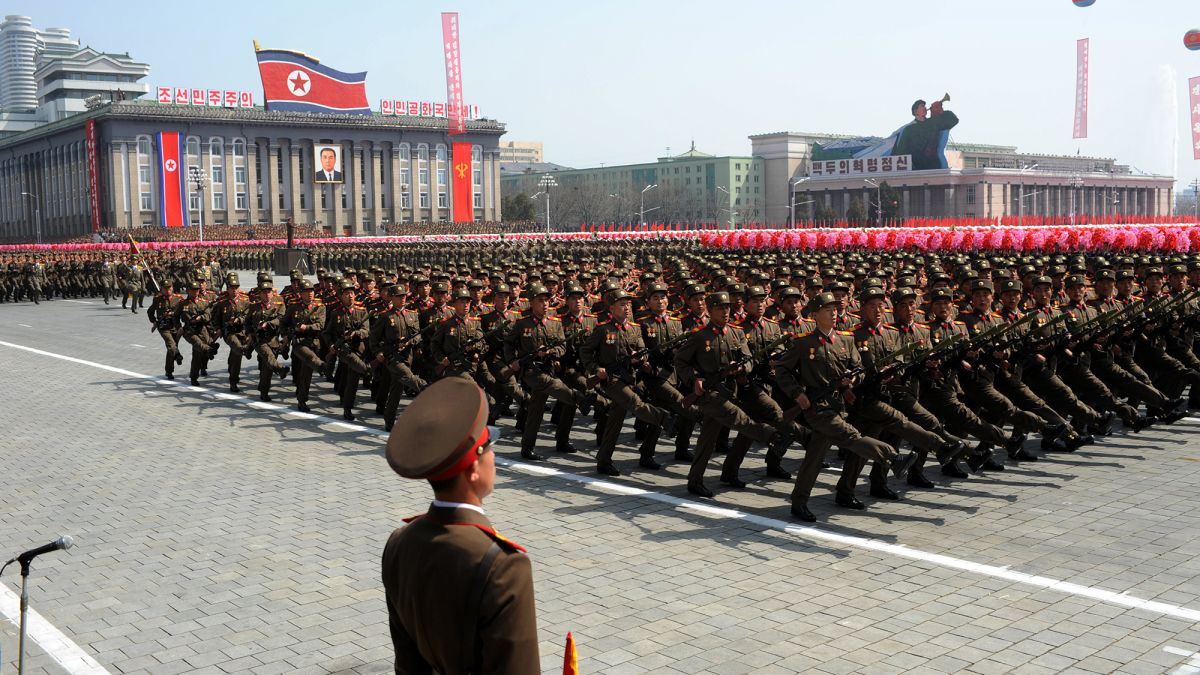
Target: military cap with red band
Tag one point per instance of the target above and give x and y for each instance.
(442, 432)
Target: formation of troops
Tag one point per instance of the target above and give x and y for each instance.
(965, 360)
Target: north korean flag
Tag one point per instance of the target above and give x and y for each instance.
(172, 187)
(294, 82)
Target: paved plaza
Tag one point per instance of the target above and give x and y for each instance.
(217, 534)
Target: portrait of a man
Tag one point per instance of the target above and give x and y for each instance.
(329, 164)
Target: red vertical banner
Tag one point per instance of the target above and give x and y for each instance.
(1194, 101)
(170, 180)
(462, 185)
(1081, 87)
(93, 166)
(454, 94)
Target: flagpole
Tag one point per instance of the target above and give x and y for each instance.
(153, 282)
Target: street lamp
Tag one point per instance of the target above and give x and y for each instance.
(732, 213)
(1021, 205)
(642, 206)
(37, 215)
(1076, 183)
(792, 183)
(617, 196)
(546, 183)
(199, 181)
(878, 200)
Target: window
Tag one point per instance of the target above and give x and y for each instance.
(405, 200)
(241, 204)
(442, 168)
(145, 198)
(739, 178)
(405, 169)
(218, 201)
(738, 166)
(478, 200)
(216, 157)
(443, 202)
(970, 194)
(441, 174)
(424, 202)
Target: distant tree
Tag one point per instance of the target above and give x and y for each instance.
(891, 204)
(517, 207)
(855, 214)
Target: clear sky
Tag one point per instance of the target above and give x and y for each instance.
(620, 81)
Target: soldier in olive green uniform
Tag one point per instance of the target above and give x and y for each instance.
(763, 336)
(196, 314)
(264, 320)
(536, 344)
(710, 364)
(393, 339)
(818, 373)
(346, 331)
(614, 352)
(164, 317)
(304, 324)
(229, 318)
(459, 595)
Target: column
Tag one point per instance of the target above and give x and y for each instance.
(135, 189)
(252, 156)
(394, 184)
(377, 187)
(119, 216)
(294, 180)
(232, 215)
(904, 204)
(337, 216)
(492, 196)
(206, 212)
(927, 195)
(272, 189)
(354, 199)
(952, 208)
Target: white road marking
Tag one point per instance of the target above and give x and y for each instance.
(52, 641)
(1191, 667)
(1120, 599)
(80, 302)
(134, 344)
(24, 325)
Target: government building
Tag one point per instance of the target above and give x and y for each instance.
(260, 166)
(981, 181)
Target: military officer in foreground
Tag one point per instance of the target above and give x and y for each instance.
(459, 596)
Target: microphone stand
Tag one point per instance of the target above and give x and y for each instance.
(24, 610)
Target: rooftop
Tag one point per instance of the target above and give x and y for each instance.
(152, 111)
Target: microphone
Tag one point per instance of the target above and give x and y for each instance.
(63, 542)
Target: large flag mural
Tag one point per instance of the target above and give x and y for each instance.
(296, 82)
(924, 138)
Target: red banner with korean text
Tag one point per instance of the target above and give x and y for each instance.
(93, 167)
(1081, 87)
(461, 184)
(1194, 102)
(454, 93)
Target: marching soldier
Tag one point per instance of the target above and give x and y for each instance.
(346, 331)
(264, 320)
(164, 318)
(710, 363)
(304, 324)
(535, 348)
(393, 339)
(229, 318)
(818, 373)
(196, 314)
(614, 352)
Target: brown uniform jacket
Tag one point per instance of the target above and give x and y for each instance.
(814, 364)
(428, 568)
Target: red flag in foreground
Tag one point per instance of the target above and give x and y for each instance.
(570, 657)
